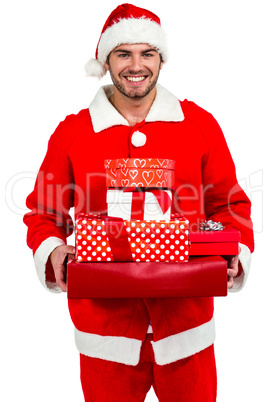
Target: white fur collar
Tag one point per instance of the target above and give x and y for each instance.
(165, 107)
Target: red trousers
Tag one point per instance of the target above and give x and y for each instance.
(188, 380)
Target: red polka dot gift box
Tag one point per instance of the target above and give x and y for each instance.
(103, 238)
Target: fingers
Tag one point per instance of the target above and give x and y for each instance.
(71, 257)
(68, 249)
(230, 282)
(60, 278)
(57, 259)
(232, 271)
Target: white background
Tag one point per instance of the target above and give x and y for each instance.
(218, 58)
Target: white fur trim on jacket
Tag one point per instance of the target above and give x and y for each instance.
(40, 259)
(127, 351)
(245, 260)
(184, 344)
(117, 349)
(166, 107)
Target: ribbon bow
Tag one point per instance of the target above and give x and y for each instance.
(138, 200)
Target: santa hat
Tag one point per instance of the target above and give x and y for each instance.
(127, 24)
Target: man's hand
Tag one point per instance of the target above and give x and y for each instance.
(233, 270)
(57, 258)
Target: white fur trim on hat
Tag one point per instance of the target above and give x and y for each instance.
(127, 31)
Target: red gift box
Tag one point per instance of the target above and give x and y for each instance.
(114, 239)
(222, 242)
(201, 276)
(135, 172)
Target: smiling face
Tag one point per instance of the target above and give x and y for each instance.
(134, 69)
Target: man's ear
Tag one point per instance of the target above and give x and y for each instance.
(107, 63)
(161, 62)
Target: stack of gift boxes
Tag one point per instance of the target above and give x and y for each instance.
(139, 225)
(139, 228)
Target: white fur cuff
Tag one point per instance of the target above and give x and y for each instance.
(40, 259)
(245, 260)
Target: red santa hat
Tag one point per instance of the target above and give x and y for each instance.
(127, 24)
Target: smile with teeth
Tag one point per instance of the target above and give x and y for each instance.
(136, 79)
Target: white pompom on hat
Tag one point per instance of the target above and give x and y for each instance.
(127, 24)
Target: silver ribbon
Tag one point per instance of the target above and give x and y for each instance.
(210, 225)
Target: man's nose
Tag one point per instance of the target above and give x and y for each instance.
(136, 63)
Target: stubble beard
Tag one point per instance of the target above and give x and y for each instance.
(134, 93)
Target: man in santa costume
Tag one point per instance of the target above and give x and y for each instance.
(127, 345)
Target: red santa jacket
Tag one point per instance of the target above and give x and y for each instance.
(72, 175)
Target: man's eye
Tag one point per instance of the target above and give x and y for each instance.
(148, 55)
(123, 55)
